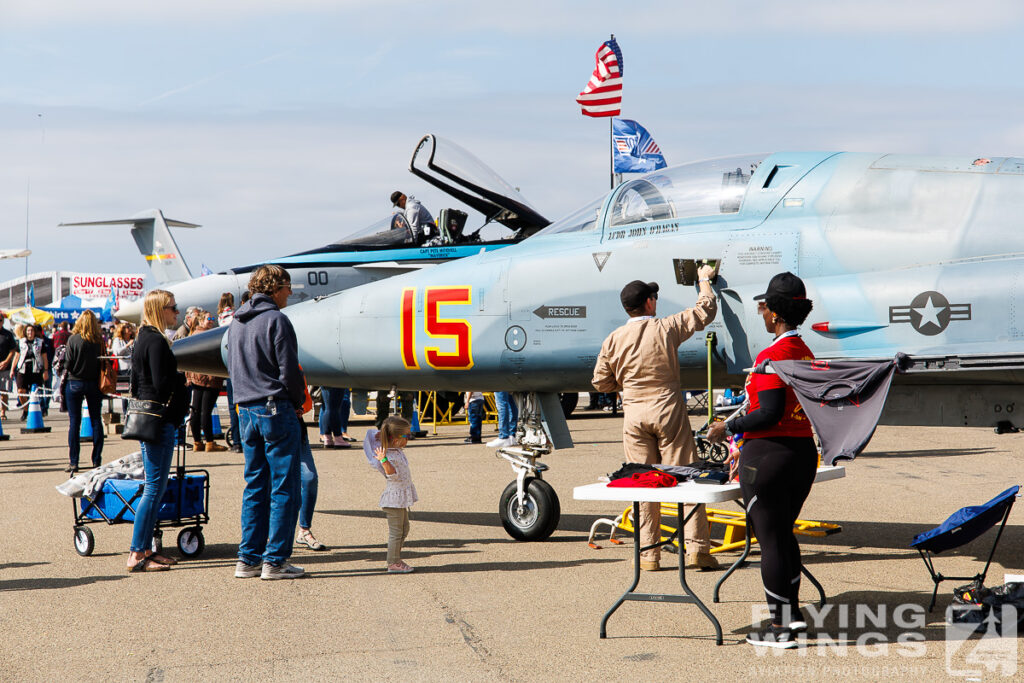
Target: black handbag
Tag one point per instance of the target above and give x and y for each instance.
(145, 420)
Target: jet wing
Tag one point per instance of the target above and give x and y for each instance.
(451, 168)
(14, 253)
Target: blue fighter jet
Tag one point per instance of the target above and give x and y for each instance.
(387, 247)
(900, 253)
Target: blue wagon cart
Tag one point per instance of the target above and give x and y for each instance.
(185, 506)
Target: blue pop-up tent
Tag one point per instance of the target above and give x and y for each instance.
(71, 307)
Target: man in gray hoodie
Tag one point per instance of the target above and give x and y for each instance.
(269, 391)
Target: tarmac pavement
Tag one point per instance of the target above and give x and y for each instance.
(480, 606)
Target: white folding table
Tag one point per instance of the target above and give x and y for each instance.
(687, 493)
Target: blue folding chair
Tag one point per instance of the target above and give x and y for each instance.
(962, 527)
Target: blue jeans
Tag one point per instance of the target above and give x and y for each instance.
(310, 482)
(233, 413)
(156, 459)
(74, 393)
(272, 443)
(476, 417)
(346, 408)
(334, 414)
(507, 413)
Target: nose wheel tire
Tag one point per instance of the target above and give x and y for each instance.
(84, 541)
(537, 518)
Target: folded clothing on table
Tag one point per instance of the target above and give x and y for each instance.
(704, 475)
(652, 479)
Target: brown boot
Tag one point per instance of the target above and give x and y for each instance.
(702, 561)
(214, 447)
(198, 447)
(650, 565)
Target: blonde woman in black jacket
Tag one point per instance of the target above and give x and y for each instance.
(155, 377)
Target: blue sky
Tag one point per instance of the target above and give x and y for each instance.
(280, 126)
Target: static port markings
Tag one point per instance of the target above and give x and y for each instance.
(515, 338)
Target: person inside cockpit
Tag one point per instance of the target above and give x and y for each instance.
(420, 220)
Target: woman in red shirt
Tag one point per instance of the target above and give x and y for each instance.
(778, 460)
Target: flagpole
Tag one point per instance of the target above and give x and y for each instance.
(611, 146)
(611, 154)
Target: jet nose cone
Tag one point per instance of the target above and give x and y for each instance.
(202, 352)
(130, 311)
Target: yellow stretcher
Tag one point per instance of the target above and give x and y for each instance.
(734, 522)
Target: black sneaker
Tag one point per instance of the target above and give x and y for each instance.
(778, 637)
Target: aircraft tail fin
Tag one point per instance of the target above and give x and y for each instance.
(151, 231)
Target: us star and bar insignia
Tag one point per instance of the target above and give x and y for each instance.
(929, 313)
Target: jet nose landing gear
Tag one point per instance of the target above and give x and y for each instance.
(529, 507)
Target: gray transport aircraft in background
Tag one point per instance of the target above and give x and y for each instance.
(387, 247)
(922, 255)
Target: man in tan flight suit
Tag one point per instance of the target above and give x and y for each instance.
(641, 359)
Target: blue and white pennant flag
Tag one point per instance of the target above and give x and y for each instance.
(635, 150)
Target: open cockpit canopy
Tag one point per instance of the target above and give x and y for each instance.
(451, 168)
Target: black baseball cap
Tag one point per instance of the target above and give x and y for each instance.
(785, 285)
(636, 293)
(394, 197)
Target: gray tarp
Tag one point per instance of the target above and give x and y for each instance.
(842, 399)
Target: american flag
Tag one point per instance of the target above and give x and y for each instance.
(603, 94)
